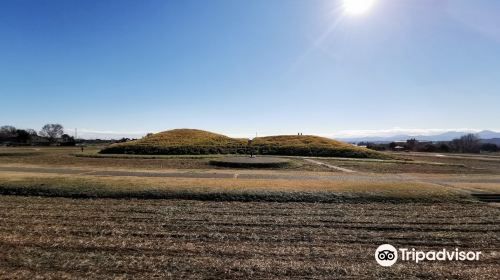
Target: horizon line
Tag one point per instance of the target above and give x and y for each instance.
(341, 134)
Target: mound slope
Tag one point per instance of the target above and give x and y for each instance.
(195, 142)
(180, 142)
(251, 162)
(309, 145)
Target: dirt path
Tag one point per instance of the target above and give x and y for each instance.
(329, 165)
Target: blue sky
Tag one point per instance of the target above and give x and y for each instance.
(114, 68)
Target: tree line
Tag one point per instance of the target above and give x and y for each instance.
(469, 143)
(50, 134)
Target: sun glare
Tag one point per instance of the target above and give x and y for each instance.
(357, 7)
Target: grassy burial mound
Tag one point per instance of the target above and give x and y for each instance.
(180, 142)
(309, 145)
(199, 142)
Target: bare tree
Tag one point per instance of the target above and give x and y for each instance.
(8, 130)
(32, 132)
(52, 131)
(7, 133)
(466, 144)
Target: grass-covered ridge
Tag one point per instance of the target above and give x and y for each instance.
(180, 142)
(196, 142)
(222, 189)
(309, 145)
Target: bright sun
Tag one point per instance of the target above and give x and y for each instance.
(357, 7)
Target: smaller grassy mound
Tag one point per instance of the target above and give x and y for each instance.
(309, 145)
(180, 142)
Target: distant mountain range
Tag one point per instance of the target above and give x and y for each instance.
(447, 136)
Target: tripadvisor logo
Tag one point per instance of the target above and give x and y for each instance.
(387, 255)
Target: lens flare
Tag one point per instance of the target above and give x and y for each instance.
(357, 7)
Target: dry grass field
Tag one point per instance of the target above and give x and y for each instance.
(179, 239)
(175, 217)
(422, 165)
